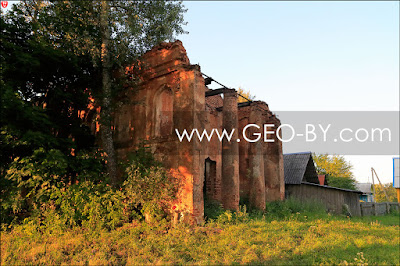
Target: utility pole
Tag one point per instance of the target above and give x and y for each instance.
(383, 188)
(373, 184)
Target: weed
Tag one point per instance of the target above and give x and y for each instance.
(294, 209)
(235, 238)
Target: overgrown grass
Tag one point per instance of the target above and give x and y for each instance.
(388, 220)
(291, 207)
(302, 236)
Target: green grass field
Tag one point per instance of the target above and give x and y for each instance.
(293, 240)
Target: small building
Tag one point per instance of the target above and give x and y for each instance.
(366, 189)
(302, 183)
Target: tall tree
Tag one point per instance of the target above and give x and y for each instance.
(42, 90)
(113, 33)
(337, 168)
(106, 132)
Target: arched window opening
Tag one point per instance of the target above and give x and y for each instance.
(164, 113)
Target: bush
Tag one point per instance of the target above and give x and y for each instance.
(212, 209)
(151, 190)
(91, 205)
(148, 186)
(32, 182)
(51, 191)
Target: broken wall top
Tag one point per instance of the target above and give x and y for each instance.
(163, 59)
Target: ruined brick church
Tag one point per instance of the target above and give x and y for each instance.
(173, 95)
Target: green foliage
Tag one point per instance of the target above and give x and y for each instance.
(337, 169)
(237, 217)
(91, 205)
(135, 26)
(142, 158)
(73, 28)
(32, 179)
(87, 165)
(31, 182)
(390, 190)
(43, 88)
(212, 209)
(314, 241)
(24, 128)
(341, 182)
(92, 40)
(334, 165)
(149, 186)
(58, 191)
(42, 187)
(392, 219)
(50, 60)
(294, 208)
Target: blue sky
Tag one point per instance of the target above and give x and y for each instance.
(305, 56)
(300, 55)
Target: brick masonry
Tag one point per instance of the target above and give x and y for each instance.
(171, 95)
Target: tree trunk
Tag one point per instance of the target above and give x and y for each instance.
(106, 131)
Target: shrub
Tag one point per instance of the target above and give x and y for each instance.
(152, 190)
(36, 181)
(212, 209)
(32, 180)
(53, 191)
(90, 205)
(148, 187)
